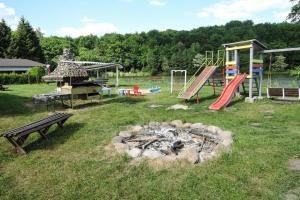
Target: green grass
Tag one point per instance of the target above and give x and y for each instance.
(73, 163)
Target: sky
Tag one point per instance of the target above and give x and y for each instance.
(83, 17)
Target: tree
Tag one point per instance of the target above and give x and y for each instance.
(165, 65)
(198, 60)
(37, 72)
(295, 72)
(39, 33)
(88, 55)
(294, 15)
(88, 42)
(53, 48)
(5, 37)
(25, 43)
(279, 65)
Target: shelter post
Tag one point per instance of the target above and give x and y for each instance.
(117, 76)
(251, 74)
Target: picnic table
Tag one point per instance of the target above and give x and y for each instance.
(18, 136)
(50, 98)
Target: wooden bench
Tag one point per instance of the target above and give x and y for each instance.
(284, 93)
(18, 136)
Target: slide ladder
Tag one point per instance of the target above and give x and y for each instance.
(196, 82)
(228, 92)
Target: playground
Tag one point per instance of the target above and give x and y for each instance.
(223, 133)
(266, 140)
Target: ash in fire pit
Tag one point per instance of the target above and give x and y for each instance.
(173, 140)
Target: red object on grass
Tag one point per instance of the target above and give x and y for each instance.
(136, 91)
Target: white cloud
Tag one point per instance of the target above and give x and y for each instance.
(87, 20)
(281, 16)
(89, 27)
(157, 2)
(9, 15)
(243, 9)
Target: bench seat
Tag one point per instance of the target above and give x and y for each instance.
(17, 136)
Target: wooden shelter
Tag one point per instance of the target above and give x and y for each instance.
(67, 72)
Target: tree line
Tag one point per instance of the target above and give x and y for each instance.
(153, 51)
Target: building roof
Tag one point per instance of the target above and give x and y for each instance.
(67, 71)
(281, 50)
(95, 65)
(4, 62)
(246, 42)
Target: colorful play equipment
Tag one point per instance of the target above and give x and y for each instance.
(200, 78)
(234, 78)
(228, 92)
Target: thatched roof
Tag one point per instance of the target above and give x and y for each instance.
(67, 72)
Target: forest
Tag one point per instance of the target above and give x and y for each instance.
(154, 51)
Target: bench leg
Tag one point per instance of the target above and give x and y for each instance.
(22, 139)
(43, 132)
(18, 148)
(61, 123)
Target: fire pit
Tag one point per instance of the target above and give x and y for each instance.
(173, 140)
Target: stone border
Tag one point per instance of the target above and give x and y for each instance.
(224, 145)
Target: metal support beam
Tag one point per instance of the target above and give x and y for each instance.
(260, 78)
(117, 76)
(251, 73)
(227, 60)
(281, 50)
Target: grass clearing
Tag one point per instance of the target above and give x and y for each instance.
(73, 163)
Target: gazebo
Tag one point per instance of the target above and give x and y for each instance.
(67, 72)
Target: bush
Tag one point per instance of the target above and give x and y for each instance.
(13, 78)
(37, 72)
(295, 72)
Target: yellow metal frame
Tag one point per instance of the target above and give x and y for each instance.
(232, 77)
(231, 63)
(239, 47)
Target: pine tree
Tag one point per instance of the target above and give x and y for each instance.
(294, 15)
(5, 36)
(279, 65)
(25, 43)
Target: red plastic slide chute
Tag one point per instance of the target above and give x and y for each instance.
(228, 92)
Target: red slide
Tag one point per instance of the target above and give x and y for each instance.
(228, 92)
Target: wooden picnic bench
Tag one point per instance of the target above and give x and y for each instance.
(18, 136)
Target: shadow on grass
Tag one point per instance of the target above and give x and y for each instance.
(55, 137)
(16, 105)
(125, 100)
(202, 99)
(235, 101)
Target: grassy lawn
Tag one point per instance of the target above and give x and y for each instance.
(73, 163)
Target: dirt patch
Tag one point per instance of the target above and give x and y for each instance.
(155, 106)
(178, 107)
(293, 194)
(294, 165)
